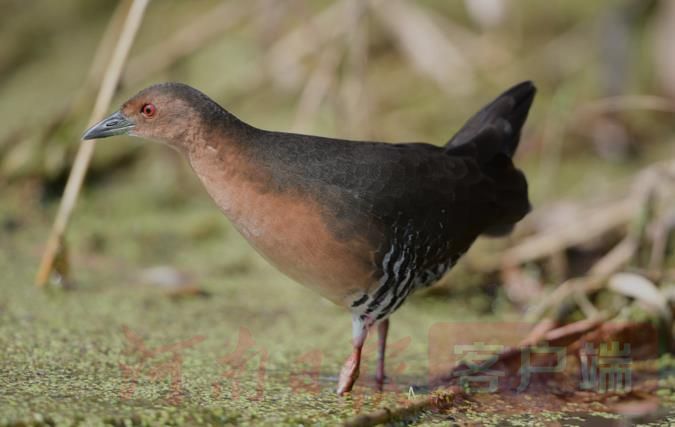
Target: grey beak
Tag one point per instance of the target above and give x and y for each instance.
(115, 124)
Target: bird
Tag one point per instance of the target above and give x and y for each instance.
(363, 223)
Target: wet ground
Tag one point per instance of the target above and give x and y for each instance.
(215, 336)
(103, 350)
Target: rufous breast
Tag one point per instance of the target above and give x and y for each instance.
(288, 228)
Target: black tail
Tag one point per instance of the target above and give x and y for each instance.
(492, 136)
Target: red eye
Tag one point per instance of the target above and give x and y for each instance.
(148, 110)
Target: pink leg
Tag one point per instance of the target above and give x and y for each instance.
(350, 370)
(382, 330)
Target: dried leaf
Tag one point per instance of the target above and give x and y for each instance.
(643, 290)
(163, 276)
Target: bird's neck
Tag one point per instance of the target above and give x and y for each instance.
(226, 167)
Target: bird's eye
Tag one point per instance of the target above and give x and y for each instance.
(148, 110)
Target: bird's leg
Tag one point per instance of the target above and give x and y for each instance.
(382, 330)
(350, 370)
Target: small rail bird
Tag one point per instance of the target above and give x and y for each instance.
(365, 224)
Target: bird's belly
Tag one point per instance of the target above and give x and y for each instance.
(291, 231)
(294, 238)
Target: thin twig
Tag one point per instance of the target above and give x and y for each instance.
(553, 141)
(585, 305)
(612, 262)
(86, 150)
(663, 232)
(539, 331)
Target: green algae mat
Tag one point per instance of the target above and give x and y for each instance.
(119, 347)
(169, 318)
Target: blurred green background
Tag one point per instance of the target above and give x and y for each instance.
(149, 251)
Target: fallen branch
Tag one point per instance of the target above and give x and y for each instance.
(438, 400)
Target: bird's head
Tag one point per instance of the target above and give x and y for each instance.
(172, 113)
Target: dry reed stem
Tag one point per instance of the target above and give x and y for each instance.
(75, 179)
(316, 90)
(73, 105)
(284, 57)
(353, 98)
(102, 56)
(425, 45)
(200, 31)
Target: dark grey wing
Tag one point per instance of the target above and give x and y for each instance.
(433, 203)
(422, 212)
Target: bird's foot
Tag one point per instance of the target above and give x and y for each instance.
(348, 375)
